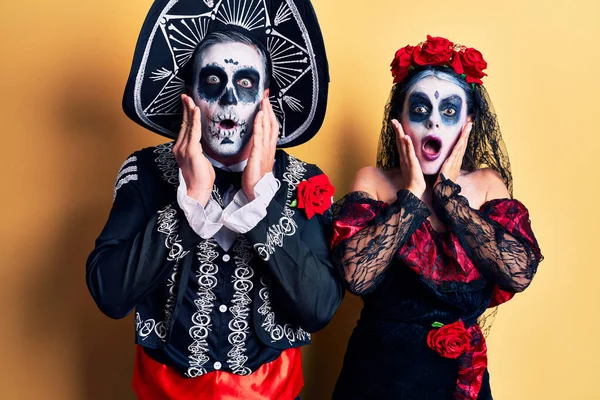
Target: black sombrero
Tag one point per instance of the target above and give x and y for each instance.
(288, 29)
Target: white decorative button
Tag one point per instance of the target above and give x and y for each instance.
(222, 308)
(217, 365)
(226, 257)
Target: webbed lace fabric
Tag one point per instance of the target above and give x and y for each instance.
(363, 255)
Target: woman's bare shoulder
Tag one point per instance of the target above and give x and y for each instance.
(374, 181)
(488, 181)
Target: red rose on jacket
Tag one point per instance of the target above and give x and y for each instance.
(450, 340)
(401, 63)
(315, 195)
(435, 51)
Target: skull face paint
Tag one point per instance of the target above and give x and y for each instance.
(434, 113)
(228, 87)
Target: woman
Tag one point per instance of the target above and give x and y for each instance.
(431, 238)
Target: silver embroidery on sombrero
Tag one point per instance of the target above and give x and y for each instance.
(182, 34)
(286, 226)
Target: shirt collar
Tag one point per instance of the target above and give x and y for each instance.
(239, 167)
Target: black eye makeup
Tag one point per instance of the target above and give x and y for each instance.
(419, 107)
(212, 82)
(450, 109)
(247, 82)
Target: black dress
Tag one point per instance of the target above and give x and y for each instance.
(423, 291)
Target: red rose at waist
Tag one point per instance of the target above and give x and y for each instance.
(315, 195)
(450, 340)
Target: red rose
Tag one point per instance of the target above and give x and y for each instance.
(456, 64)
(450, 340)
(315, 195)
(401, 63)
(473, 64)
(435, 51)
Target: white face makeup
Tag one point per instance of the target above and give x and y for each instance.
(228, 87)
(434, 114)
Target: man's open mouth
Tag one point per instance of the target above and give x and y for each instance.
(227, 124)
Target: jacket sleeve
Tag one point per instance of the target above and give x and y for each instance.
(137, 249)
(296, 253)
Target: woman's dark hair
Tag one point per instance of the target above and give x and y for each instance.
(485, 147)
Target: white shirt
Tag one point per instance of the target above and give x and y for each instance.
(239, 215)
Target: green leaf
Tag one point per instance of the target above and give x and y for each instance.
(437, 324)
(463, 75)
(294, 203)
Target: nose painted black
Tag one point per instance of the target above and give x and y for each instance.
(228, 98)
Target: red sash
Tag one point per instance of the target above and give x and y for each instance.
(280, 379)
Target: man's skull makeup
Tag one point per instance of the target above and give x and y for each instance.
(229, 81)
(434, 113)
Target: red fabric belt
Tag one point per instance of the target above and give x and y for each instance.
(280, 379)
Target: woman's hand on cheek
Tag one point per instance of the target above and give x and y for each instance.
(412, 174)
(451, 167)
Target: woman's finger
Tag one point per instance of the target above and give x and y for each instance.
(399, 138)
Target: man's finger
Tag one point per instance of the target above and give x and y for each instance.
(191, 121)
(274, 127)
(196, 128)
(258, 123)
(267, 110)
(184, 123)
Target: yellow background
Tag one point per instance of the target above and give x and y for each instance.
(63, 68)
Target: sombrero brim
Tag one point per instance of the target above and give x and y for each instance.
(173, 29)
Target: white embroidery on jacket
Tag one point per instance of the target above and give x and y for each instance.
(123, 177)
(204, 302)
(277, 331)
(240, 310)
(286, 226)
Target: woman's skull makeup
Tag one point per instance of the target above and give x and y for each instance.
(434, 113)
(228, 87)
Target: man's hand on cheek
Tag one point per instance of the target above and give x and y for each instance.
(197, 171)
(264, 144)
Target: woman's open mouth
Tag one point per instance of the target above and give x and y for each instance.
(431, 148)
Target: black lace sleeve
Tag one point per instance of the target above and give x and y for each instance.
(503, 248)
(368, 233)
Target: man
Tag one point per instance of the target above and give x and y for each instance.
(218, 240)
